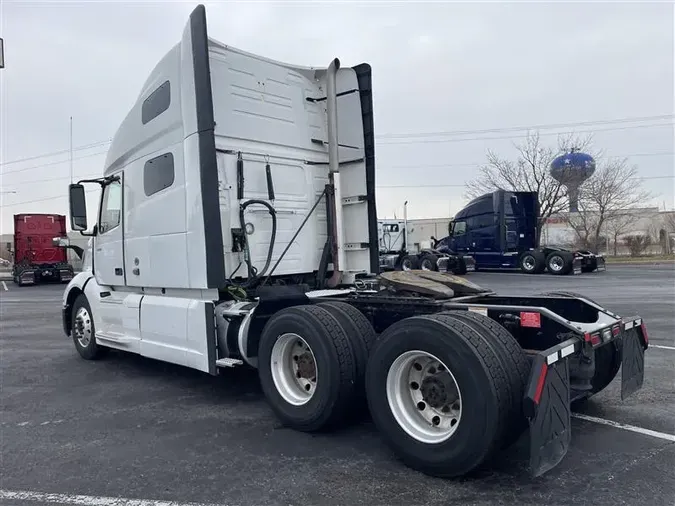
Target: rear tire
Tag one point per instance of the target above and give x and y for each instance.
(428, 262)
(409, 263)
(306, 368)
(83, 330)
(361, 337)
(513, 361)
(483, 397)
(560, 263)
(532, 262)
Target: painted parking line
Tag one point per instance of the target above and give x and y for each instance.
(662, 347)
(24, 301)
(89, 500)
(4, 285)
(624, 426)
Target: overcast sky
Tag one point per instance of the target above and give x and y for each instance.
(436, 66)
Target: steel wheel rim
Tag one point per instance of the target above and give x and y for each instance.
(82, 327)
(294, 369)
(528, 262)
(425, 412)
(427, 265)
(406, 265)
(556, 263)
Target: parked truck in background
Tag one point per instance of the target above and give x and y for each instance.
(37, 256)
(237, 226)
(499, 230)
(396, 254)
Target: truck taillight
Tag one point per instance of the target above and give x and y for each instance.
(616, 330)
(593, 338)
(644, 332)
(530, 319)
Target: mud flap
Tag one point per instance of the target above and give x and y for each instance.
(547, 407)
(600, 263)
(632, 360)
(576, 266)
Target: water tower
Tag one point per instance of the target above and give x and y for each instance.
(572, 169)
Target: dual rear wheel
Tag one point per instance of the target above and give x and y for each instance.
(444, 390)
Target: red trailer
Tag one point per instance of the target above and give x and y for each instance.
(36, 258)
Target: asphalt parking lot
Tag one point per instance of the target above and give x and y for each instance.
(128, 427)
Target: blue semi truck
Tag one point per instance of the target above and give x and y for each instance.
(499, 230)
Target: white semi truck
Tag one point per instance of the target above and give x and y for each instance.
(237, 227)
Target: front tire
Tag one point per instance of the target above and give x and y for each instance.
(437, 395)
(83, 330)
(307, 368)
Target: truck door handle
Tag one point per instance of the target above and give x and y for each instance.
(118, 271)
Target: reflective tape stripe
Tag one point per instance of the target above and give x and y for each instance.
(553, 357)
(628, 325)
(638, 322)
(567, 350)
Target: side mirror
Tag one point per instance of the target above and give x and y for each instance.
(78, 207)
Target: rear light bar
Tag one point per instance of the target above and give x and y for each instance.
(636, 322)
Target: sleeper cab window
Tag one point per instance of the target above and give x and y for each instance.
(158, 174)
(111, 208)
(158, 102)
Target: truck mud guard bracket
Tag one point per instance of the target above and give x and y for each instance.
(547, 406)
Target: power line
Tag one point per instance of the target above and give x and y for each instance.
(43, 199)
(531, 127)
(393, 136)
(479, 164)
(54, 153)
(33, 167)
(464, 184)
(437, 141)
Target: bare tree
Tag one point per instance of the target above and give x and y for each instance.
(530, 171)
(618, 225)
(638, 243)
(611, 192)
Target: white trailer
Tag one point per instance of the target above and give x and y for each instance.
(237, 227)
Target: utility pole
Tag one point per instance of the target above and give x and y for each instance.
(71, 150)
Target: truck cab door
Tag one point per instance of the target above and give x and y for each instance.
(108, 254)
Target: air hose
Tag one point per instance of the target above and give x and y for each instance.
(253, 275)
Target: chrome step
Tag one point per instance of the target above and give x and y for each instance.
(228, 362)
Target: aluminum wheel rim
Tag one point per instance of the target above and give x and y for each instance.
(528, 263)
(82, 327)
(556, 263)
(294, 370)
(429, 418)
